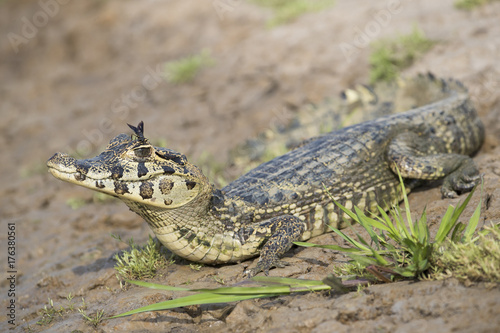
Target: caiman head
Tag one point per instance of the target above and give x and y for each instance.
(132, 169)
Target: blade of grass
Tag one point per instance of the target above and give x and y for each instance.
(457, 231)
(422, 228)
(458, 211)
(345, 210)
(406, 203)
(474, 220)
(296, 285)
(156, 286)
(350, 240)
(393, 232)
(366, 223)
(403, 230)
(289, 281)
(448, 222)
(274, 289)
(380, 224)
(201, 298)
(379, 258)
(370, 224)
(364, 261)
(329, 247)
(444, 227)
(281, 286)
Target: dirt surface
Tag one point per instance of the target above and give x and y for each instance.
(74, 73)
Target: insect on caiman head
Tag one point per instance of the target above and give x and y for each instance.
(130, 168)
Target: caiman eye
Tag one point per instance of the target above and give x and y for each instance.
(142, 152)
(169, 154)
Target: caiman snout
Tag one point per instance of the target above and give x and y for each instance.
(62, 162)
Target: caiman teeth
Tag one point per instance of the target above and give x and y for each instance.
(79, 176)
(99, 183)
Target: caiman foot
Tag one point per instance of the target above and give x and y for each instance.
(285, 230)
(461, 180)
(415, 157)
(265, 266)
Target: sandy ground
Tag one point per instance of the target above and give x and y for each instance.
(74, 73)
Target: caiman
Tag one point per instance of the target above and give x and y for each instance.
(288, 198)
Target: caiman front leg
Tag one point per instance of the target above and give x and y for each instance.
(419, 157)
(280, 233)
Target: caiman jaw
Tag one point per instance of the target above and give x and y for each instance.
(64, 167)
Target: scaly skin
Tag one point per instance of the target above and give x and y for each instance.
(284, 200)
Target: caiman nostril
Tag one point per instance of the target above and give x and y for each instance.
(79, 176)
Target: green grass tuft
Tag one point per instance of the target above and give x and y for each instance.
(184, 70)
(470, 4)
(287, 10)
(93, 319)
(50, 313)
(473, 261)
(390, 56)
(140, 263)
